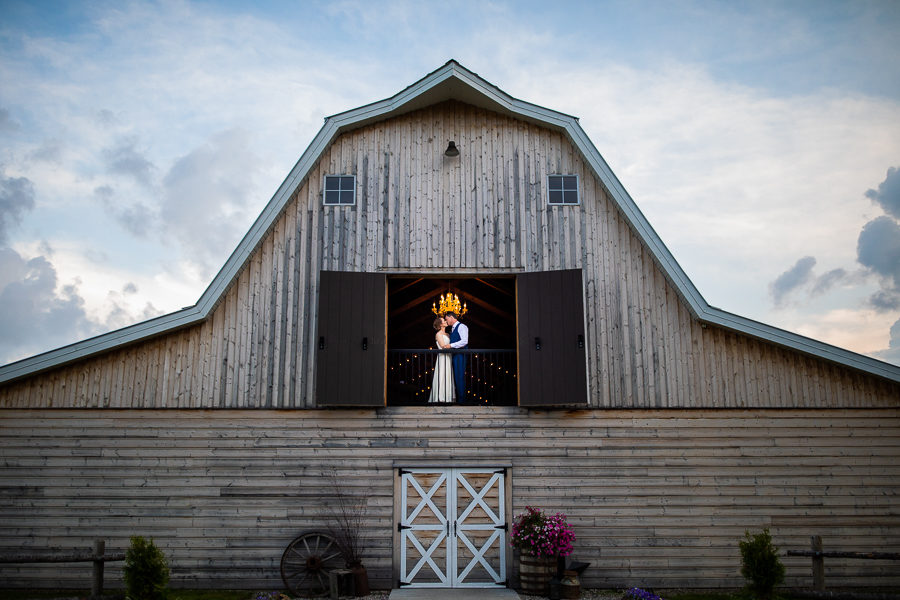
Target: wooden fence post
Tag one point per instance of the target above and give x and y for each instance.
(818, 564)
(97, 582)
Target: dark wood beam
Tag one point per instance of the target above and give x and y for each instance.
(491, 285)
(485, 305)
(417, 301)
(406, 285)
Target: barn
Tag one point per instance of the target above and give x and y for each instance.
(600, 383)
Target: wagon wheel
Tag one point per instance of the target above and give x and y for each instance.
(307, 561)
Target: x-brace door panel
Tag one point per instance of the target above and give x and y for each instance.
(453, 527)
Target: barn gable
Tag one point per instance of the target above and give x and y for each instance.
(182, 428)
(419, 213)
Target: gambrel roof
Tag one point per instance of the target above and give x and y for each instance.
(450, 82)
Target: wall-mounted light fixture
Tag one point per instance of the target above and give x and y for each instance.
(451, 150)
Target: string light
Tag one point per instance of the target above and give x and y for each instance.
(420, 380)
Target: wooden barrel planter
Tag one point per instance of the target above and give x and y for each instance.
(535, 574)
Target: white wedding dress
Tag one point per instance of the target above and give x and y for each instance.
(442, 389)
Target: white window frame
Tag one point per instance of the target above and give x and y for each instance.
(563, 189)
(339, 191)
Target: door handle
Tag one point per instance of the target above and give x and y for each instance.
(365, 343)
(580, 341)
(537, 343)
(321, 342)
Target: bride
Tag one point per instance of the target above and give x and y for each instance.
(442, 389)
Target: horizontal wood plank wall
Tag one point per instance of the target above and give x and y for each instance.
(482, 211)
(659, 497)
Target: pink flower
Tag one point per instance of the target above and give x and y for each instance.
(537, 534)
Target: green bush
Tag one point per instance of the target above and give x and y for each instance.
(146, 571)
(760, 564)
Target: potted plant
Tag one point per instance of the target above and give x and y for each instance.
(540, 539)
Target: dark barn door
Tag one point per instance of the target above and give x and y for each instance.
(550, 321)
(350, 344)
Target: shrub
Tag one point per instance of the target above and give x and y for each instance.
(146, 571)
(760, 564)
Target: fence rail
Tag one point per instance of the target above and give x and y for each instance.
(819, 555)
(96, 555)
(490, 375)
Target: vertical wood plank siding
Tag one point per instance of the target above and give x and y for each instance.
(659, 497)
(482, 211)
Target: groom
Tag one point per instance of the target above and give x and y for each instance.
(459, 338)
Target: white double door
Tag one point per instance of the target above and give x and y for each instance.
(453, 527)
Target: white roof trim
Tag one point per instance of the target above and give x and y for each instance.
(455, 81)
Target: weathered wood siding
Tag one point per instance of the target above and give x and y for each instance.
(419, 211)
(656, 497)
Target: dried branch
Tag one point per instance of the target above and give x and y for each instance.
(347, 514)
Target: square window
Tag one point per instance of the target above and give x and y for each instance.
(562, 189)
(340, 190)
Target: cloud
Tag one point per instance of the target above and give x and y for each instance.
(125, 159)
(892, 354)
(50, 151)
(888, 193)
(39, 313)
(885, 301)
(7, 125)
(878, 248)
(120, 314)
(860, 329)
(827, 281)
(743, 181)
(802, 276)
(35, 315)
(793, 278)
(138, 218)
(105, 117)
(206, 196)
(16, 197)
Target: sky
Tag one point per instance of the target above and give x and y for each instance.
(139, 140)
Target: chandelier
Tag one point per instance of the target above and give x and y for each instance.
(449, 303)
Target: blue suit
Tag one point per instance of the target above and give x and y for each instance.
(459, 365)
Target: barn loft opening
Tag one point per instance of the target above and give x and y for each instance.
(491, 318)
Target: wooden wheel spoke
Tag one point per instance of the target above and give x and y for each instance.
(306, 563)
(294, 561)
(294, 573)
(321, 580)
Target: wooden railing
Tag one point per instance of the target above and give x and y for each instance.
(97, 555)
(490, 376)
(819, 555)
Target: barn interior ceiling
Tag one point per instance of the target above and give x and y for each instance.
(491, 315)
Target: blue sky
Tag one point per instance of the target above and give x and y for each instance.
(139, 140)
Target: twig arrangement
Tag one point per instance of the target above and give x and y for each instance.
(347, 513)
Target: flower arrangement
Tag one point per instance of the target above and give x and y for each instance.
(270, 596)
(639, 594)
(537, 534)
